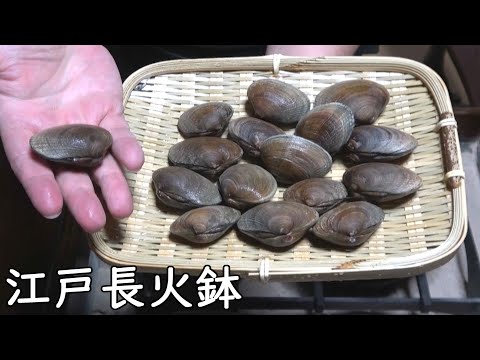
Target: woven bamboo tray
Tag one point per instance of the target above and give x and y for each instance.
(422, 234)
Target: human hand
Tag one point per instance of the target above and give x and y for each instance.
(46, 86)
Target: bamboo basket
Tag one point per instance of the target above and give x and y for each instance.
(418, 236)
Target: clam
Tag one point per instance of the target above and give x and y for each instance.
(182, 188)
(278, 223)
(381, 182)
(206, 224)
(250, 133)
(209, 119)
(209, 156)
(367, 99)
(321, 194)
(292, 158)
(277, 101)
(349, 224)
(329, 125)
(77, 144)
(246, 185)
(378, 143)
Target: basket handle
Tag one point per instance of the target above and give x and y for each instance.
(447, 127)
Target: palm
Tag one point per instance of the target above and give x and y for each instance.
(80, 85)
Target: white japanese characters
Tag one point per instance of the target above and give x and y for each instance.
(33, 289)
(123, 287)
(123, 281)
(208, 292)
(84, 280)
(170, 289)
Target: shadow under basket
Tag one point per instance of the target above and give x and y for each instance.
(416, 236)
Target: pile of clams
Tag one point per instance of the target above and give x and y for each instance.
(225, 171)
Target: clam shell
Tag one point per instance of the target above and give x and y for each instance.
(206, 224)
(378, 143)
(367, 99)
(245, 185)
(329, 126)
(321, 194)
(250, 133)
(381, 182)
(277, 224)
(277, 101)
(182, 188)
(209, 119)
(209, 156)
(291, 158)
(77, 144)
(349, 224)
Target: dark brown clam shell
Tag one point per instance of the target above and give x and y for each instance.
(209, 156)
(209, 119)
(321, 194)
(381, 182)
(250, 133)
(349, 224)
(182, 188)
(245, 185)
(329, 126)
(206, 224)
(277, 101)
(77, 144)
(291, 158)
(277, 224)
(367, 99)
(378, 143)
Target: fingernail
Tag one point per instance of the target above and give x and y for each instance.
(51, 217)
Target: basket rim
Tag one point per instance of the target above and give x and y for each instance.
(403, 267)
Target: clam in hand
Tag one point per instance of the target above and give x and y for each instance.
(77, 144)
